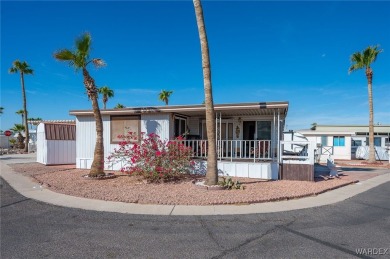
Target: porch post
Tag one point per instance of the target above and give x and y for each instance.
(274, 140)
(277, 137)
(220, 137)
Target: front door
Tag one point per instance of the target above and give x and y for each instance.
(249, 129)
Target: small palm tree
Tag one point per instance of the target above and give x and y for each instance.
(364, 60)
(21, 113)
(79, 59)
(164, 96)
(119, 106)
(19, 128)
(212, 169)
(107, 93)
(23, 69)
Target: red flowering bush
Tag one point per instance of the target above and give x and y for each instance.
(154, 159)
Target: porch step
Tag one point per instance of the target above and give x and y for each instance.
(321, 170)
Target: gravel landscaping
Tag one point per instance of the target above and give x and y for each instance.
(68, 180)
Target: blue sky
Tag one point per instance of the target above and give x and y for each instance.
(260, 51)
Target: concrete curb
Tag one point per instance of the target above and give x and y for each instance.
(30, 189)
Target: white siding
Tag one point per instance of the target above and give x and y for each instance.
(41, 144)
(60, 152)
(86, 136)
(242, 169)
(85, 141)
(156, 123)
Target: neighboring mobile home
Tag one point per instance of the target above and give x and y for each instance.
(248, 134)
(341, 141)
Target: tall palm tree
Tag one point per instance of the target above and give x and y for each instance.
(21, 113)
(119, 106)
(23, 69)
(364, 60)
(107, 93)
(79, 59)
(212, 169)
(164, 96)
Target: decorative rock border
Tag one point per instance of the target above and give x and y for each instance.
(201, 185)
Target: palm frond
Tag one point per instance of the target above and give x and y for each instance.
(83, 45)
(98, 62)
(12, 70)
(22, 67)
(64, 55)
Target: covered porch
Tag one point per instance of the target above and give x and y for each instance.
(247, 132)
(247, 137)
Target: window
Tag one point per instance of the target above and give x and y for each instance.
(180, 126)
(356, 143)
(377, 141)
(338, 141)
(264, 130)
(121, 125)
(324, 141)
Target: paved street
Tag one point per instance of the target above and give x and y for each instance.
(31, 229)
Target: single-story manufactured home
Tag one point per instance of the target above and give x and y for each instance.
(248, 134)
(341, 141)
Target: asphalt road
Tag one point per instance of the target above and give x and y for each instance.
(31, 229)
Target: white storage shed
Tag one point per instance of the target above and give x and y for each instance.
(56, 143)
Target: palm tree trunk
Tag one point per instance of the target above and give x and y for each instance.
(371, 158)
(97, 167)
(105, 99)
(25, 112)
(212, 169)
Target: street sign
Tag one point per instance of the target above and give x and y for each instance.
(7, 133)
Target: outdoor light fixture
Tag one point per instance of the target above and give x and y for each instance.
(237, 131)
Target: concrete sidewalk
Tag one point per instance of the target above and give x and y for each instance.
(30, 189)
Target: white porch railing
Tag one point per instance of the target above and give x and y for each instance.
(233, 149)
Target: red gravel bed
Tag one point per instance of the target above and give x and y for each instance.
(68, 180)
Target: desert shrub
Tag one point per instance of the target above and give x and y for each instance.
(152, 158)
(229, 184)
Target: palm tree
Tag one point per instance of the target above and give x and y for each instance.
(21, 113)
(79, 59)
(212, 170)
(19, 128)
(24, 69)
(164, 96)
(1, 110)
(119, 106)
(363, 60)
(107, 93)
